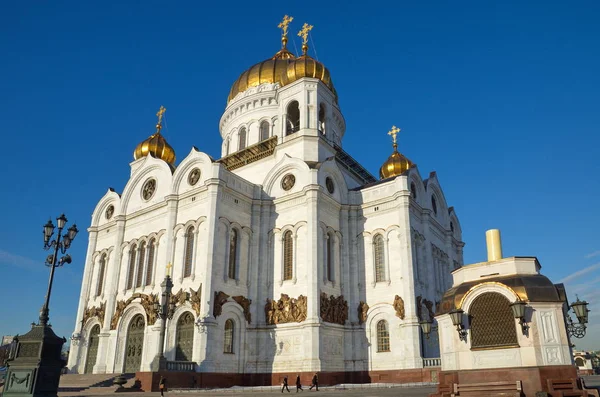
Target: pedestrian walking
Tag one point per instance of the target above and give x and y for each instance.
(298, 384)
(285, 385)
(162, 385)
(315, 382)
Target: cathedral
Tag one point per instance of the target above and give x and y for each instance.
(286, 255)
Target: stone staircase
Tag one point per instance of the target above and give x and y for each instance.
(88, 384)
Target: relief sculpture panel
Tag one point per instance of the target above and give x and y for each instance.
(399, 307)
(220, 299)
(285, 310)
(97, 312)
(245, 304)
(363, 308)
(147, 302)
(334, 310)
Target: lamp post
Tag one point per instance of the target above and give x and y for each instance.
(35, 367)
(581, 311)
(164, 310)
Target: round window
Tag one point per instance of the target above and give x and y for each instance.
(287, 182)
(110, 211)
(329, 185)
(194, 176)
(148, 189)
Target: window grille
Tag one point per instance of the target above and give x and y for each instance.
(383, 336)
(264, 130)
(140, 269)
(242, 142)
(288, 256)
(228, 337)
(492, 322)
(131, 272)
(379, 258)
(233, 254)
(150, 264)
(101, 274)
(189, 251)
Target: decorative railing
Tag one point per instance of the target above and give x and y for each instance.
(432, 362)
(181, 366)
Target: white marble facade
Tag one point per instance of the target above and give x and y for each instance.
(332, 209)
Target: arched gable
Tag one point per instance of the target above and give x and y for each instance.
(132, 200)
(195, 159)
(99, 214)
(297, 167)
(330, 168)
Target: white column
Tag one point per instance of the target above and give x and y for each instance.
(312, 254)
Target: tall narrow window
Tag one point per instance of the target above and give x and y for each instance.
(434, 205)
(140, 269)
(233, 240)
(102, 265)
(288, 255)
(383, 336)
(379, 258)
(150, 263)
(322, 119)
(189, 251)
(293, 118)
(227, 147)
(329, 245)
(228, 337)
(264, 130)
(242, 139)
(131, 271)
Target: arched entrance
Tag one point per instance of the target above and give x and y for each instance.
(185, 337)
(135, 344)
(92, 351)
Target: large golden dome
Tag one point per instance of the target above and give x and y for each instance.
(268, 71)
(397, 163)
(156, 145)
(305, 66)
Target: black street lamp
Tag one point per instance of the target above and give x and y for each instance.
(165, 310)
(36, 363)
(52, 260)
(581, 312)
(457, 320)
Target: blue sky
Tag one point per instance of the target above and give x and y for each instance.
(500, 98)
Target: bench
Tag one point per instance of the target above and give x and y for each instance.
(565, 388)
(592, 390)
(491, 389)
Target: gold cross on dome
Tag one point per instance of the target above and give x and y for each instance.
(304, 32)
(169, 266)
(159, 114)
(393, 132)
(283, 25)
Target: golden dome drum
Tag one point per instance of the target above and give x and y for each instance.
(157, 146)
(395, 165)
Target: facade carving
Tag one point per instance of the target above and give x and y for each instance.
(424, 303)
(363, 308)
(245, 304)
(147, 302)
(220, 299)
(285, 310)
(97, 312)
(334, 310)
(195, 299)
(399, 307)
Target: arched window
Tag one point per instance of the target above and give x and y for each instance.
(184, 337)
(452, 227)
(228, 337)
(293, 118)
(102, 265)
(492, 322)
(413, 190)
(580, 362)
(131, 270)
(189, 251)
(242, 139)
(288, 256)
(227, 147)
(434, 205)
(379, 258)
(322, 118)
(329, 259)
(264, 130)
(383, 336)
(150, 263)
(233, 243)
(140, 268)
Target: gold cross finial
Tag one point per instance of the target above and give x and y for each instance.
(283, 25)
(393, 132)
(304, 34)
(159, 114)
(169, 266)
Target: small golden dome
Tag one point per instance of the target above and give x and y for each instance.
(395, 165)
(156, 145)
(268, 71)
(305, 66)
